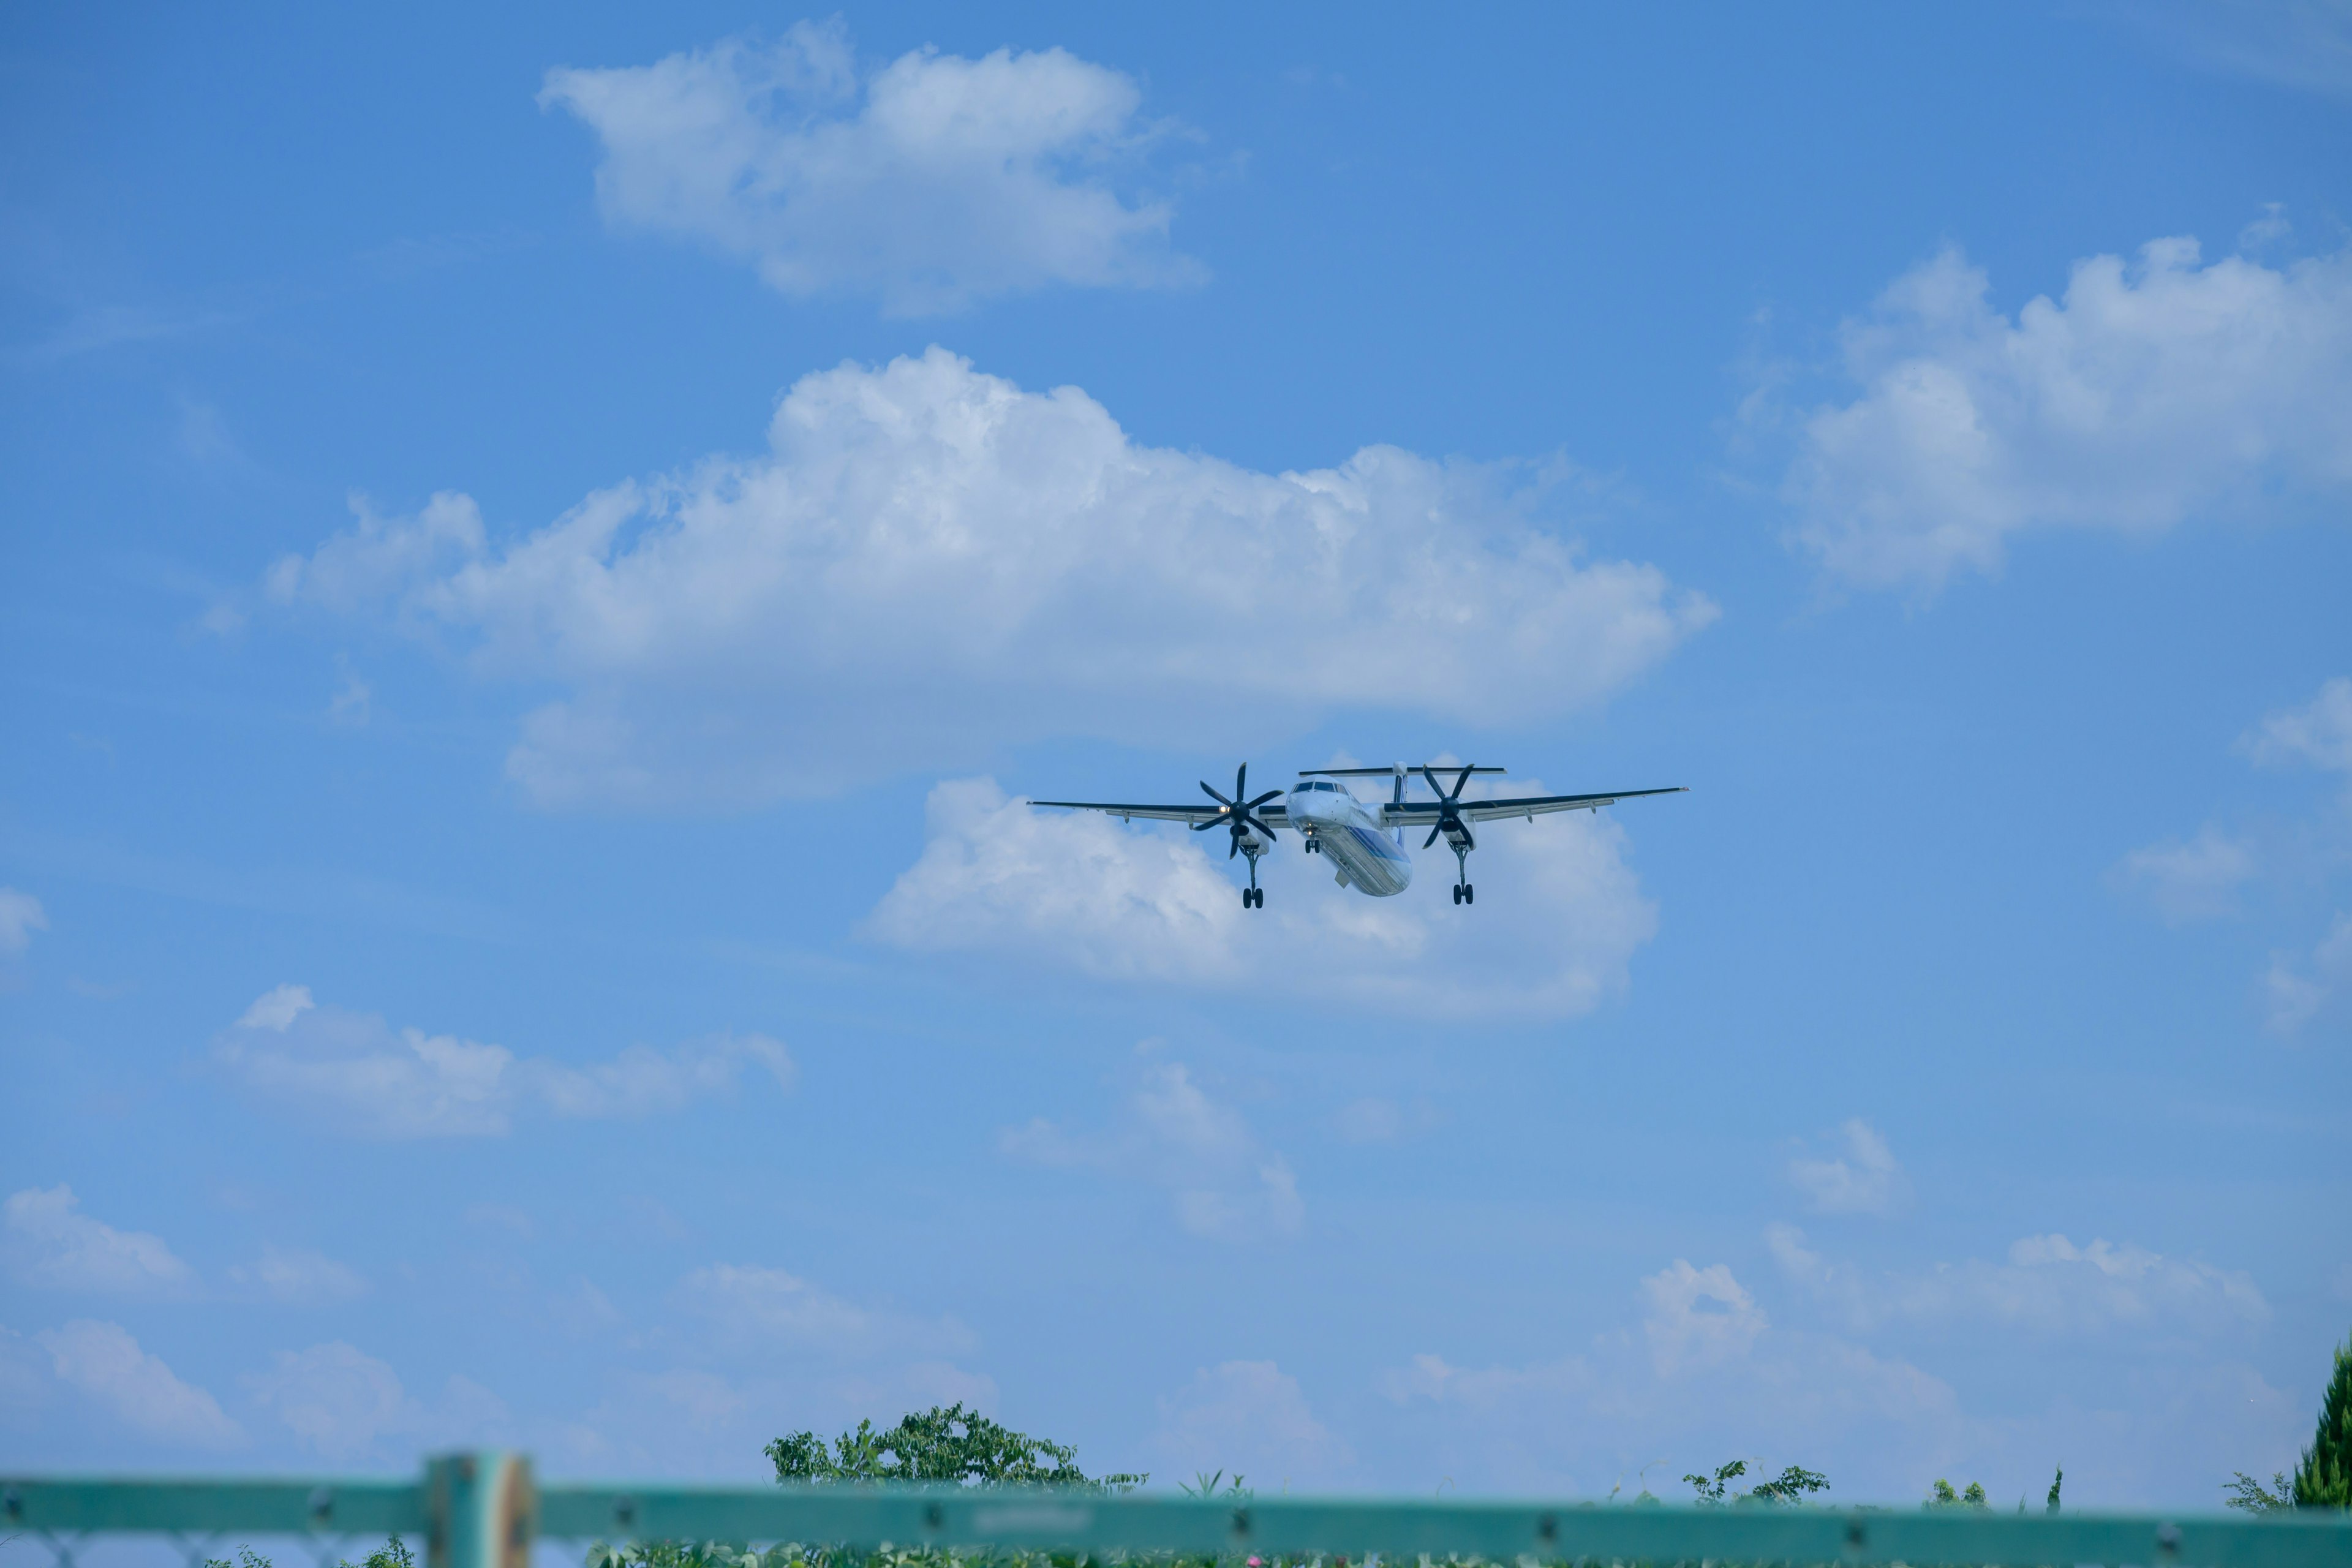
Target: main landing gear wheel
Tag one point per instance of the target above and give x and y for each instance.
(1464, 893)
(1253, 898)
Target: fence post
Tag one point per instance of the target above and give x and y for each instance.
(483, 1510)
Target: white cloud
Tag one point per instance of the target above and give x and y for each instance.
(51, 1243)
(2319, 732)
(103, 1362)
(299, 1276)
(2047, 1285)
(354, 1070)
(1248, 1418)
(2152, 391)
(1706, 1375)
(931, 565)
(935, 181)
(2191, 881)
(1697, 1317)
(21, 915)
(1865, 1179)
(754, 1308)
(337, 1399)
(1558, 919)
(278, 1008)
(344, 1404)
(1224, 1184)
(2299, 994)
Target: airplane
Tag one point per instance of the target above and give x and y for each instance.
(1364, 840)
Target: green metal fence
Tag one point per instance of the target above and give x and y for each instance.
(486, 1511)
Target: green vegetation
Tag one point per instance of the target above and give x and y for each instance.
(945, 1443)
(1790, 1486)
(1942, 1496)
(392, 1553)
(2324, 1478)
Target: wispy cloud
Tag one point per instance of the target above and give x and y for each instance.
(297, 1275)
(353, 1070)
(1863, 1178)
(102, 1361)
(752, 1308)
(1248, 1418)
(2301, 44)
(21, 915)
(2319, 733)
(49, 1242)
(1222, 1181)
(2047, 1285)
(340, 1402)
(2300, 991)
(2195, 880)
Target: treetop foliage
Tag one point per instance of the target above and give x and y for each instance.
(2324, 1479)
(1790, 1486)
(946, 1444)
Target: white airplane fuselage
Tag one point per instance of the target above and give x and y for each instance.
(1349, 833)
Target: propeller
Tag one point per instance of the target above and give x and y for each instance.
(1237, 813)
(1449, 808)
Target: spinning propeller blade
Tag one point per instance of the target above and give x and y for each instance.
(1449, 806)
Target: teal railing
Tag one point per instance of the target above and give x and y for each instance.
(486, 1511)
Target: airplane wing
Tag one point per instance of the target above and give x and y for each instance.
(1531, 806)
(1271, 814)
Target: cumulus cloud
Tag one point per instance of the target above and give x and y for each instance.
(1224, 1184)
(51, 1243)
(2047, 1285)
(21, 915)
(932, 182)
(2153, 390)
(337, 1399)
(343, 1403)
(2299, 991)
(1248, 1417)
(2194, 880)
(104, 1363)
(1558, 916)
(354, 1070)
(760, 1309)
(1863, 1179)
(1697, 1317)
(930, 565)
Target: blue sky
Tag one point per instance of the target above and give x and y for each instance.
(544, 549)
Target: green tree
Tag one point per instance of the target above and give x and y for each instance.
(2050, 1505)
(2324, 1479)
(1942, 1496)
(943, 1444)
(1790, 1486)
(2252, 1495)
